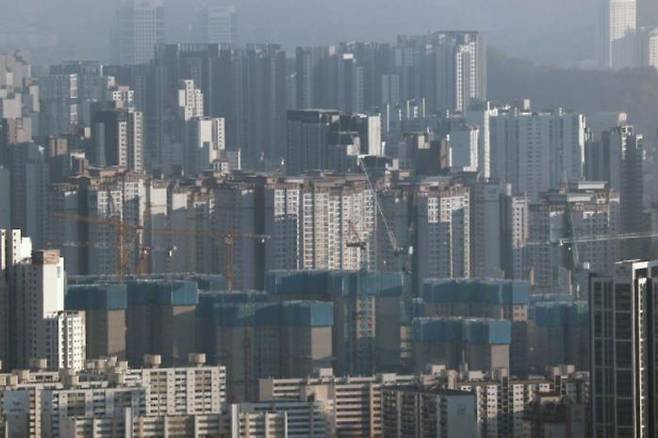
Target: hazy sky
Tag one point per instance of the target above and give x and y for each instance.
(555, 31)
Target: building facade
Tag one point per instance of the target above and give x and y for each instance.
(622, 345)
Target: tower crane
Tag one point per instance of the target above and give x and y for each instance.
(570, 244)
(141, 268)
(592, 239)
(358, 243)
(571, 249)
(393, 241)
(127, 235)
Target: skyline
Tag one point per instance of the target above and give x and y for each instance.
(533, 24)
(347, 219)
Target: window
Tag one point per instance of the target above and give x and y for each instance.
(624, 354)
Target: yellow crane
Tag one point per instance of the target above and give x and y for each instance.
(360, 244)
(127, 237)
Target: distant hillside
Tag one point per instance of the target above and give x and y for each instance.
(587, 91)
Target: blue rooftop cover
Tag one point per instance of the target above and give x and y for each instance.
(307, 313)
(165, 292)
(264, 314)
(494, 292)
(208, 301)
(538, 298)
(96, 297)
(210, 282)
(472, 330)
(334, 283)
(560, 314)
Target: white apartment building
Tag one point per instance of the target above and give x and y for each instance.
(32, 307)
(113, 197)
(157, 225)
(118, 139)
(419, 411)
(282, 418)
(480, 116)
(464, 147)
(283, 222)
(178, 227)
(467, 62)
(316, 224)
(355, 401)
(21, 402)
(106, 398)
(501, 404)
(583, 211)
(189, 105)
(652, 49)
(257, 424)
(537, 151)
(195, 426)
(122, 96)
(205, 141)
(63, 408)
(517, 229)
(39, 291)
(586, 211)
(197, 389)
(617, 23)
(16, 69)
(190, 100)
(462, 79)
(444, 230)
(66, 342)
(19, 105)
(14, 249)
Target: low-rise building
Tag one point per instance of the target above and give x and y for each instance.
(419, 412)
(109, 399)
